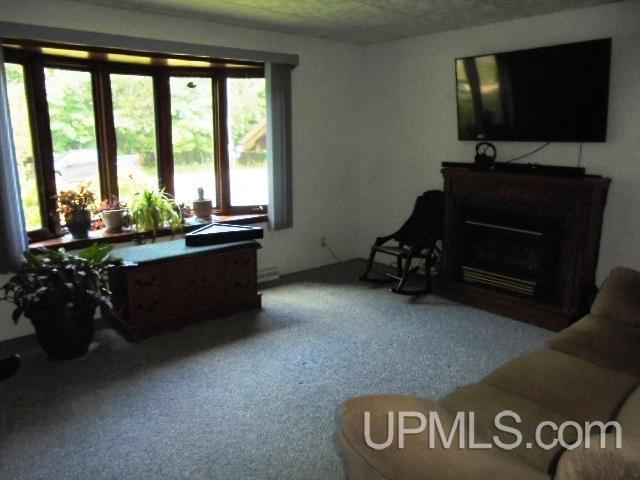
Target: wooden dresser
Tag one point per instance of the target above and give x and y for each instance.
(171, 285)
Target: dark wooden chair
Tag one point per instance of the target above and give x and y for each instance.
(416, 239)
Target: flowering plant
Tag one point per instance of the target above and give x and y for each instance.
(71, 201)
(112, 204)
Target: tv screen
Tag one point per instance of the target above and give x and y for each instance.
(555, 94)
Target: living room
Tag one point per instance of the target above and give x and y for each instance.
(373, 120)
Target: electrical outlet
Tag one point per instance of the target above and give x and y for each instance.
(323, 241)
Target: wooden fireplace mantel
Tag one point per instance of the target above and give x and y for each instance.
(573, 208)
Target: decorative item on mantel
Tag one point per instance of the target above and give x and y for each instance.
(76, 207)
(202, 207)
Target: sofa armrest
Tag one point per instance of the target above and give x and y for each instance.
(619, 297)
(598, 463)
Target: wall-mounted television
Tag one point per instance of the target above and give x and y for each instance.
(554, 94)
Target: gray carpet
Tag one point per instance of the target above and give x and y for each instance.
(252, 396)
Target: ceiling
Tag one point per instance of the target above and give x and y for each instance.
(353, 21)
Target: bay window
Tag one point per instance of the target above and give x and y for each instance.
(125, 121)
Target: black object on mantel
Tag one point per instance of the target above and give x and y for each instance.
(217, 233)
(485, 156)
(532, 168)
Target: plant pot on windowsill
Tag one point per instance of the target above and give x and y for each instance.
(79, 223)
(113, 219)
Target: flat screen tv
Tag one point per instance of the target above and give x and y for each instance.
(554, 94)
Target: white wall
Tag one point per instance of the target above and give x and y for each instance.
(411, 127)
(325, 114)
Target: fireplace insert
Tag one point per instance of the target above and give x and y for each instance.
(510, 248)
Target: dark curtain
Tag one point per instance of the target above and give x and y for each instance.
(278, 84)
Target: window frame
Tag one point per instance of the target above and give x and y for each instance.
(34, 64)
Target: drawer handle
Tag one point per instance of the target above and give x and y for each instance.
(146, 283)
(243, 283)
(151, 305)
(242, 263)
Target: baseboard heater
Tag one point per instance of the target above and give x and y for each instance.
(268, 274)
(513, 284)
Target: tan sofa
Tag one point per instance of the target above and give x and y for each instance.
(589, 372)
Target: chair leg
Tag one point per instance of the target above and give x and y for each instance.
(430, 261)
(405, 274)
(365, 276)
(428, 285)
(369, 265)
(403, 277)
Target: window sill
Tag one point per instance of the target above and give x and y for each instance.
(101, 236)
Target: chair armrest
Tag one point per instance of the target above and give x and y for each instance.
(383, 240)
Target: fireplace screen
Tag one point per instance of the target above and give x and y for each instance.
(505, 257)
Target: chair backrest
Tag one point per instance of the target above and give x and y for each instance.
(424, 226)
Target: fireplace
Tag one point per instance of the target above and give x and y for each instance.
(512, 248)
(522, 245)
(502, 256)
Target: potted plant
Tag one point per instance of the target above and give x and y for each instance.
(59, 293)
(76, 207)
(153, 210)
(113, 214)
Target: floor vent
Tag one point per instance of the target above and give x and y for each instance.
(268, 274)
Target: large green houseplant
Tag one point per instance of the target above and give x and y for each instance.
(153, 210)
(59, 293)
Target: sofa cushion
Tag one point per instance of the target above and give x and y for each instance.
(486, 401)
(573, 388)
(597, 463)
(603, 341)
(629, 416)
(416, 460)
(619, 296)
(608, 463)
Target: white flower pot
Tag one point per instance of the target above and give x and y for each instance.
(113, 219)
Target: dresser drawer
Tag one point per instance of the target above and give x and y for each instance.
(240, 286)
(240, 263)
(145, 280)
(211, 272)
(145, 309)
(180, 277)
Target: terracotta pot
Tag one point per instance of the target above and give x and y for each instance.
(63, 336)
(79, 224)
(113, 219)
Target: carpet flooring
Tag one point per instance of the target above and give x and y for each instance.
(252, 396)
